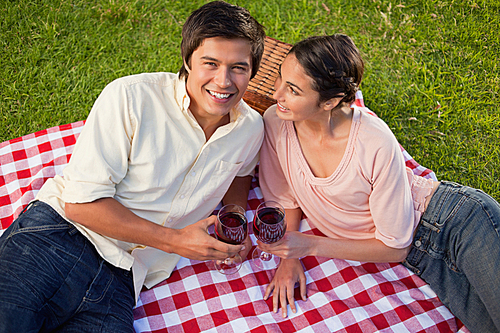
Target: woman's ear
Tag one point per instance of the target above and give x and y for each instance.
(332, 103)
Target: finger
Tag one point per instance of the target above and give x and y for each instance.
(247, 245)
(302, 283)
(269, 289)
(210, 220)
(276, 299)
(283, 300)
(291, 299)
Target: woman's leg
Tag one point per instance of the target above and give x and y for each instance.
(456, 250)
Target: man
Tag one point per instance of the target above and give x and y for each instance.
(157, 154)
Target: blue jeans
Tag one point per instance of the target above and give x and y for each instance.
(456, 250)
(53, 279)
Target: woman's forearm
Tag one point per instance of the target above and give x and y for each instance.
(368, 250)
(296, 245)
(293, 218)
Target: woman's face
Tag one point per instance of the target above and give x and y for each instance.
(296, 98)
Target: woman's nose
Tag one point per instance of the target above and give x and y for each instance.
(277, 89)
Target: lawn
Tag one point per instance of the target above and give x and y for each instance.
(432, 68)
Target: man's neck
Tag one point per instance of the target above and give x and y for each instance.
(210, 124)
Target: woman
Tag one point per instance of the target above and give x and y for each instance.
(344, 169)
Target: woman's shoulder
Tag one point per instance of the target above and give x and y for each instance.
(272, 123)
(374, 130)
(375, 141)
(270, 115)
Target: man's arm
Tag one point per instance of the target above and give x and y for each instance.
(238, 192)
(110, 218)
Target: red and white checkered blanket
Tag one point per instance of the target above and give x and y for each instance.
(343, 296)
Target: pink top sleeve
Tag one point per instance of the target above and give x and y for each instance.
(370, 195)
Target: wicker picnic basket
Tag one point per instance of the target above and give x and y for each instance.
(259, 94)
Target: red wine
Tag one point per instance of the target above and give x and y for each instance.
(232, 229)
(273, 227)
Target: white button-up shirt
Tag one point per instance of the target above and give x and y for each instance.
(142, 146)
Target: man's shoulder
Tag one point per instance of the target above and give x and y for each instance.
(250, 114)
(158, 78)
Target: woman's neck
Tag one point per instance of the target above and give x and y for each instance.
(328, 126)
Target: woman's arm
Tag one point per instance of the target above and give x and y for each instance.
(297, 245)
(288, 273)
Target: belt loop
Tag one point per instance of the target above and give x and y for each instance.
(27, 207)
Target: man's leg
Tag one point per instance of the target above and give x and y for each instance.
(50, 272)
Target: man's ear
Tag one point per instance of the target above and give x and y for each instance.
(187, 67)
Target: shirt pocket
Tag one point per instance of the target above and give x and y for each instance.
(221, 178)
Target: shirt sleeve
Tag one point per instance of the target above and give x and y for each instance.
(272, 180)
(390, 202)
(100, 158)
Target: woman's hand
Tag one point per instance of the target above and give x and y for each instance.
(282, 286)
(293, 245)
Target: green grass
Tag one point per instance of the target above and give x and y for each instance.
(432, 68)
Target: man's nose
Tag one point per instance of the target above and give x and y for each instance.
(223, 78)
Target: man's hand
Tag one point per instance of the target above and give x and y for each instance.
(194, 242)
(282, 286)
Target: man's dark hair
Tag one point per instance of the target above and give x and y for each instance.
(334, 64)
(220, 19)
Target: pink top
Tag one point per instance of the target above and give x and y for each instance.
(371, 194)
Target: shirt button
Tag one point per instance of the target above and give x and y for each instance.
(182, 196)
(193, 173)
(418, 243)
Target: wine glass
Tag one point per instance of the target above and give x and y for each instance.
(231, 227)
(269, 226)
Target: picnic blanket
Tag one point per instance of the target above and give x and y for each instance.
(343, 296)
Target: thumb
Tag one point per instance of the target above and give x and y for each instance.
(210, 221)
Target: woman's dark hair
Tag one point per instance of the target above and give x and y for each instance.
(220, 19)
(334, 64)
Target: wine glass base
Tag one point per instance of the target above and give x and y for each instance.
(263, 260)
(228, 266)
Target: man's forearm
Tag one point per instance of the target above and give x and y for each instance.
(110, 218)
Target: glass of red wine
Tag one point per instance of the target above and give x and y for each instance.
(269, 226)
(231, 227)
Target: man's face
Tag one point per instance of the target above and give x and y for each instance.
(218, 76)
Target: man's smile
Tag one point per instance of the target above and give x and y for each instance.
(219, 95)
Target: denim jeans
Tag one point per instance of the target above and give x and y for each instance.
(53, 279)
(456, 250)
